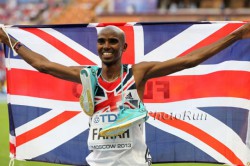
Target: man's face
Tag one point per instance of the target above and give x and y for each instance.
(110, 46)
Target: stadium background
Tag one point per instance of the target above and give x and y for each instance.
(30, 12)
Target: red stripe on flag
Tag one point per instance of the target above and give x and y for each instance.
(164, 89)
(64, 48)
(128, 57)
(35, 84)
(115, 24)
(201, 135)
(128, 85)
(224, 31)
(45, 127)
(217, 84)
(12, 149)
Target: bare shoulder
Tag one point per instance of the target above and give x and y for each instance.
(77, 68)
(140, 70)
(77, 71)
(142, 66)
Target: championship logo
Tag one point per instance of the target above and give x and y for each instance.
(96, 119)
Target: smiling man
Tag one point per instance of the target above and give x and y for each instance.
(113, 94)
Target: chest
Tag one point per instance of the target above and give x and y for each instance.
(110, 96)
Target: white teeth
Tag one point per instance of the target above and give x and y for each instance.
(107, 53)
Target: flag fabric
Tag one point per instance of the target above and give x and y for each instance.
(196, 115)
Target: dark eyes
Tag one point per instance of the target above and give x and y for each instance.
(111, 41)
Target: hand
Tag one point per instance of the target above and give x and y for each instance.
(3, 36)
(245, 31)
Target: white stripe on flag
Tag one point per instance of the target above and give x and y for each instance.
(224, 66)
(12, 139)
(43, 103)
(19, 64)
(139, 43)
(248, 132)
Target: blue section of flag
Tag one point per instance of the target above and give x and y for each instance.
(9, 53)
(23, 114)
(11, 120)
(85, 36)
(155, 35)
(239, 51)
(167, 147)
(74, 151)
(233, 117)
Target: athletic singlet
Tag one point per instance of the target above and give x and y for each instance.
(133, 149)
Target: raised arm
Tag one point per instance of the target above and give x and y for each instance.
(42, 64)
(148, 70)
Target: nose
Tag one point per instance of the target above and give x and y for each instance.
(106, 44)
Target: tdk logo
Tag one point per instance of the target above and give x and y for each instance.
(104, 118)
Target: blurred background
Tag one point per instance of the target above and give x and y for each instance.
(28, 12)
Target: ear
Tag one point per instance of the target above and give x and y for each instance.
(125, 46)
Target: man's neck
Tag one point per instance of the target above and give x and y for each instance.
(111, 72)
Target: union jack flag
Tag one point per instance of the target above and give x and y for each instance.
(196, 115)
